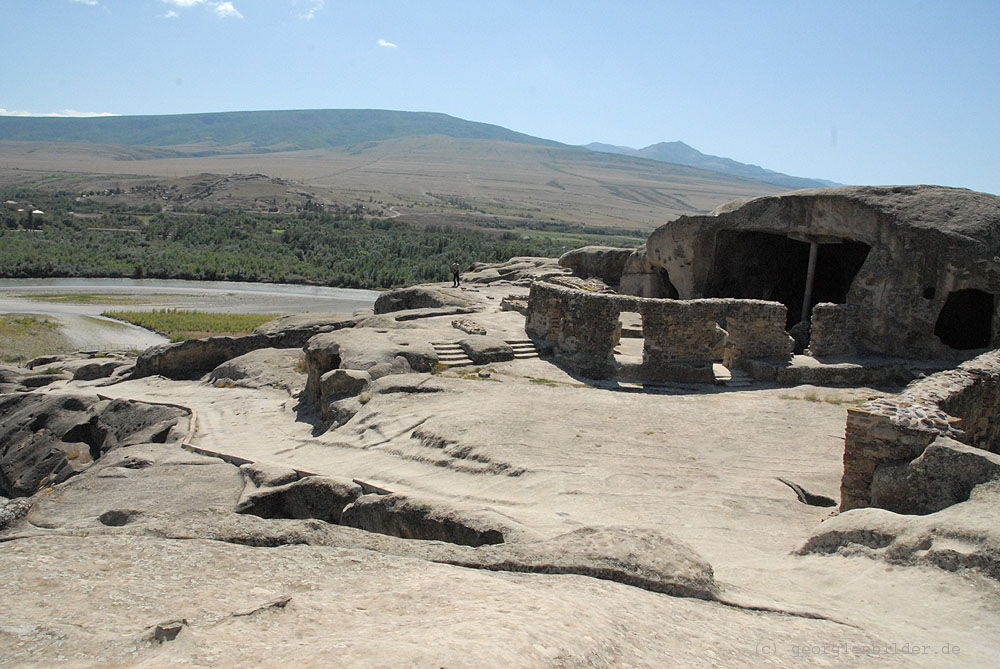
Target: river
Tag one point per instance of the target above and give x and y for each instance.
(85, 299)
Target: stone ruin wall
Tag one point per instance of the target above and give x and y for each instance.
(833, 329)
(925, 243)
(962, 403)
(582, 329)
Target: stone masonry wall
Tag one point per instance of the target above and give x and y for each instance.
(581, 327)
(834, 329)
(961, 403)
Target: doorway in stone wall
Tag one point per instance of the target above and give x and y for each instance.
(629, 343)
(769, 266)
(966, 320)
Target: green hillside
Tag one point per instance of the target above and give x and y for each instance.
(256, 131)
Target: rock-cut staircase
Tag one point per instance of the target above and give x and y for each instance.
(451, 354)
(523, 348)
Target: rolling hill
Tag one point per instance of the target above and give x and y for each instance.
(419, 167)
(257, 131)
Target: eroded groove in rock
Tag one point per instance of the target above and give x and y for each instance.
(641, 558)
(460, 457)
(399, 516)
(279, 603)
(319, 497)
(807, 497)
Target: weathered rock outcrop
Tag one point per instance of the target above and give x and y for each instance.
(642, 278)
(521, 271)
(279, 368)
(319, 497)
(294, 330)
(916, 262)
(645, 558)
(944, 474)
(46, 370)
(604, 262)
(407, 518)
(960, 536)
(47, 438)
(361, 355)
(424, 297)
(194, 358)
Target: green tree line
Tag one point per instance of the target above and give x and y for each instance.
(337, 249)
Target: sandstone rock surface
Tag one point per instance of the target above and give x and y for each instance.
(46, 439)
(279, 368)
(320, 497)
(641, 525)
(422, 297)
(604, 262)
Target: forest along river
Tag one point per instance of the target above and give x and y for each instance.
(83, 324)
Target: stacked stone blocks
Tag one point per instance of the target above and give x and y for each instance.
(961, 403)
(680, 335)
(834, 329)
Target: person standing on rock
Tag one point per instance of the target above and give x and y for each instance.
(455, 270)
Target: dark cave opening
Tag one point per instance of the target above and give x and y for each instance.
(966, 319)
(767, 266)
(668, 289)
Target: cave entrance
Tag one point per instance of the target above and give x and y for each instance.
(768, 266)
(629, 341)
(966, 320)
(668, 290)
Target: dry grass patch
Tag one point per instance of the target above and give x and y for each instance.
(26, 336)
(180, 325)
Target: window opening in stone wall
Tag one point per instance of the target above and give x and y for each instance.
(966, 320)
(629, 342)
(768, 266)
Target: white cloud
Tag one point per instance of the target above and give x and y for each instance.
(311, 8)
(92, 3)
(65, 113)
(226, 10)
(386, 44)
(171, 14)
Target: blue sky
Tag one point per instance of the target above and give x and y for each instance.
(873, 92)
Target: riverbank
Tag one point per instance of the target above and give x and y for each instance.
(75, 306)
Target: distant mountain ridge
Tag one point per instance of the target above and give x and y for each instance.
(256, 131)
(289, 130)
(680, 153)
